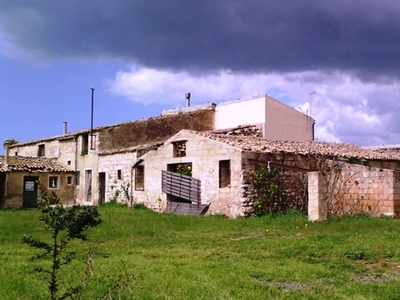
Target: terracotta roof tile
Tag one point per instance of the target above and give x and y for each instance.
(257, 144)
(32, 164)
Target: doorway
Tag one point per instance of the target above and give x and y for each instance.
(30, 192)
(88, 185)
(102, 187)
(2, 189)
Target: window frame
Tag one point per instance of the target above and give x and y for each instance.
(53, 182)
(139, 178)
(224, 173)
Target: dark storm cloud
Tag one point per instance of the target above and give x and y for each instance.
(361, 36)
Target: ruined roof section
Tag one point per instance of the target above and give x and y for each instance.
(32, 164)
(139, 148)
(257, 144)
(243, 130)
(152, 130)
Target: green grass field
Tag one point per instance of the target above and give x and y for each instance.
(211, 257)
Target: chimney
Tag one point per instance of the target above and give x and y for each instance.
(6, 152)
(65, 131)
(187, 95)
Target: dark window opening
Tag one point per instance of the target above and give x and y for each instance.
(68, 162)
(139, 178)
(179, 149)
(224, 173)
(183, 168)
(119, 174)
(85, 144)
(69, 180)
(53, 182)
(41, 150)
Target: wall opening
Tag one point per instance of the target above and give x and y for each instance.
(41, 150)
(139, 178)
(224, 173)
(53, 182)
(88, 185)
(85, 144)
(179, 148)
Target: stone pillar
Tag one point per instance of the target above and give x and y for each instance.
(317, 202)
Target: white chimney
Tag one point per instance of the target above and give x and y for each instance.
(65, 131)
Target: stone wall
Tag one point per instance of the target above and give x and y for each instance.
(15, 187)
(205, 155)
(354, 189)
(31, 149)
(368, 190)
(118, 189)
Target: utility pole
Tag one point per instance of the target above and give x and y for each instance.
(91, 121)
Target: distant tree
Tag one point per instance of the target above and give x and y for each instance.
(10, 142)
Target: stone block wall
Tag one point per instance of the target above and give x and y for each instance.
(356, 189)
(369, 190)
(204, 154)
(317, 200)
(119, 189)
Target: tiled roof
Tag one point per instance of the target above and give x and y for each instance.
(32, 164)
(257, 144)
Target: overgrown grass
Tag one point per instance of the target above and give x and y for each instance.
(185, 257)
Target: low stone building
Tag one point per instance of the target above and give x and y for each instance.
(366, 180)
(22, 177)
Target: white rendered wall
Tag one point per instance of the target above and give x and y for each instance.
(246, 112)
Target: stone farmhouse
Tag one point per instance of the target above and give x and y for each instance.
(145, 161)
(220, 161)
(102, 159)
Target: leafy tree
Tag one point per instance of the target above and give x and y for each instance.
(10, 142)
(64, 224)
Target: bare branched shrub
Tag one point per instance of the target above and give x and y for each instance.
(339, 183)
(276, 191)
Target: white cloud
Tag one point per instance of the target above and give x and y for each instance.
(345, 108)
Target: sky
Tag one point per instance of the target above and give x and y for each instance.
(341, 57)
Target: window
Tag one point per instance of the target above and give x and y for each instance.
(53, 182)
(183, 168)
(69, 180)
(139, 178)
(85, 144)
(119, 174)
(179, 148)
(68, 162)
(88, 185)
(224, 173)
(41, 150)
